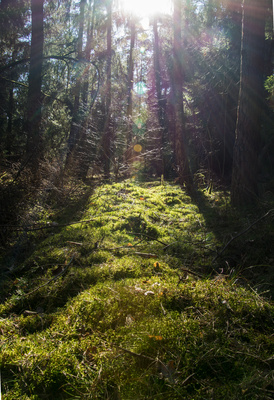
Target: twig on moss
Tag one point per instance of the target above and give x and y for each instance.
(128, 247)
(52, 279)
(243, 232)
(135, 354)
(166, 370)
(149, 237)
(145, 255)
(31, 228)
(190, 272)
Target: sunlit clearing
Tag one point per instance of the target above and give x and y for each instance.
(145, 8)
(140, 88)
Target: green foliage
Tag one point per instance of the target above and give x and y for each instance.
(127, 304)
(269, 84)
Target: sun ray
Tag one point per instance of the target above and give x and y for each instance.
(146, 8)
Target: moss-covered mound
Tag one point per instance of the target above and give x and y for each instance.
(136, 301)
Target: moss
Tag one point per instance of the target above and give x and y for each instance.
(141, 310)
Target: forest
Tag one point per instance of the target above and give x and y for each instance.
(136, 199)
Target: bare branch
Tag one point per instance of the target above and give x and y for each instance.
(54, 278)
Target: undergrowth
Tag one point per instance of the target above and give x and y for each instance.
(136, 300)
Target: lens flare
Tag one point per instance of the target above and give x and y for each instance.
(137, 148)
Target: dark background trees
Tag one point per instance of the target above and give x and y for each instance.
(82, 83)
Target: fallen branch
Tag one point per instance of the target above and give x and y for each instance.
(31, 228)
(242, 233)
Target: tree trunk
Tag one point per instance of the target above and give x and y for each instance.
(88, 48)
(177, 102)
(83, 152)
(75, 127)
(10, 110)
(9, 135)
(34, 104)
(107, 138)
(130, 81)
(161, 99)
(244, 187)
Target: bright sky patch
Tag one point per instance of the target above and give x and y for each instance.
(145, 8)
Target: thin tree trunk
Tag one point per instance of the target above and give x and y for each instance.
(11, 106)
(130, 80)
(89, 45)
(9, 131)
(244, 187)
(108, 134)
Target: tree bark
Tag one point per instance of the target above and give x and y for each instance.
(34, 104)
(244, 186)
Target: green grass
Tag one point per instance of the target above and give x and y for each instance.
(132, 303)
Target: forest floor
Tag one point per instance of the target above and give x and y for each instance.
(137, 291)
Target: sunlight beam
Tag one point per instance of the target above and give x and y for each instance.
(146, 8)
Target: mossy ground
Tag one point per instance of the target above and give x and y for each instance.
(133, 302)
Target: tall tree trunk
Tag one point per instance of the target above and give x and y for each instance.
(161, 100)
(84, 146)
(88, 48)
(75, 126)
(10, 110)
(244, 187)
(177, 101)
(34, 103)
(107, 138)
(130, 80)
